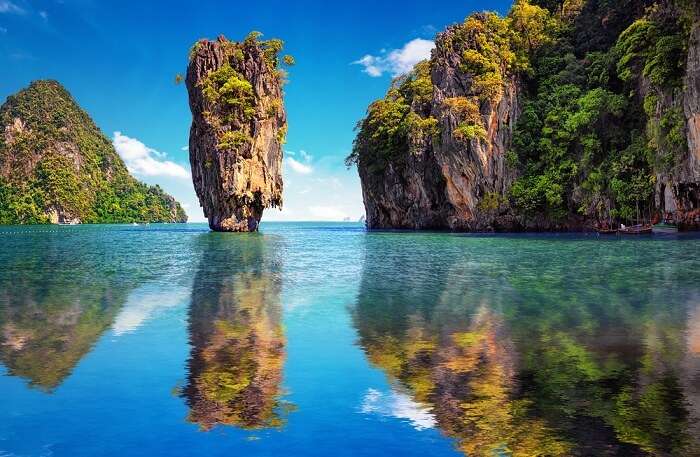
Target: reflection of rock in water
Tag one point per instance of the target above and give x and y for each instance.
(52, 312)
(511, 365)
(691, 380)
(235, 367)
(450, 348)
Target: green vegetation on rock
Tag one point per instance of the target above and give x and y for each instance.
(383, 136)
(586, 142)
(595, 88)
(489, 48)
(56, 166)
(230, 95)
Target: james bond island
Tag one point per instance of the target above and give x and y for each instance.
(238, 129)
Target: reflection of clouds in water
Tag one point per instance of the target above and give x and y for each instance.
(143, 304)
(399, 405)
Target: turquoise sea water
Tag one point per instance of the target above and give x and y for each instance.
(315, 339)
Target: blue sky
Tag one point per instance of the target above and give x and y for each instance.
(119, 60)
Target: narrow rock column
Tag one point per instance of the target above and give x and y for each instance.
(238, 128)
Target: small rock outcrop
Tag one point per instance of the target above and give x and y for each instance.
(56, 166)
(238, 128)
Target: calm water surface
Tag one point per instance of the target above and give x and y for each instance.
(323, 340)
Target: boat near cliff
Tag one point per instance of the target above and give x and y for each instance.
(639, 229)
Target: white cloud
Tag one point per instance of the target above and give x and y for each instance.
(185, 148)
(399, 405)
(397, 61)
(298, 166)
(44, 15)
(301, 166)
(318, 188)
(143, 304)
(142, 160)
(7, 6)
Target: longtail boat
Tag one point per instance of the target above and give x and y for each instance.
(636, 230)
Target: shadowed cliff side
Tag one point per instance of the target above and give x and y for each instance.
(238, 128)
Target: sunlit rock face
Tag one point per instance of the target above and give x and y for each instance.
(238, 128)
(238, 343)
(455, 150)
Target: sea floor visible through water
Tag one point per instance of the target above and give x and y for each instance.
(323, 339)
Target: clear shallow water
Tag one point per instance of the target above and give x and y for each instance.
(321, 339)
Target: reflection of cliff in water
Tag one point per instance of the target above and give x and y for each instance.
(515, 356)
(56, 299)
(238, 345)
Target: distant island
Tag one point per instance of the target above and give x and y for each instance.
(562, 115)
(56, 166)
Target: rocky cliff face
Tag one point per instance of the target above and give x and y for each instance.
(678, 183)
(692, 101)
(238, 128)
(687, 191)
(515, 123)
(57, 167)
(457, 130)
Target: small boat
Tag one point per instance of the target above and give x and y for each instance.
(636, 230)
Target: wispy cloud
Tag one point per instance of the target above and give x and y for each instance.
(3, 30)
(397, 61)
(44, 15)
(298, 166)
(301, 166)
(142, 160)
(6, 6)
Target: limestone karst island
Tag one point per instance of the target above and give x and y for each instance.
(350, 229)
